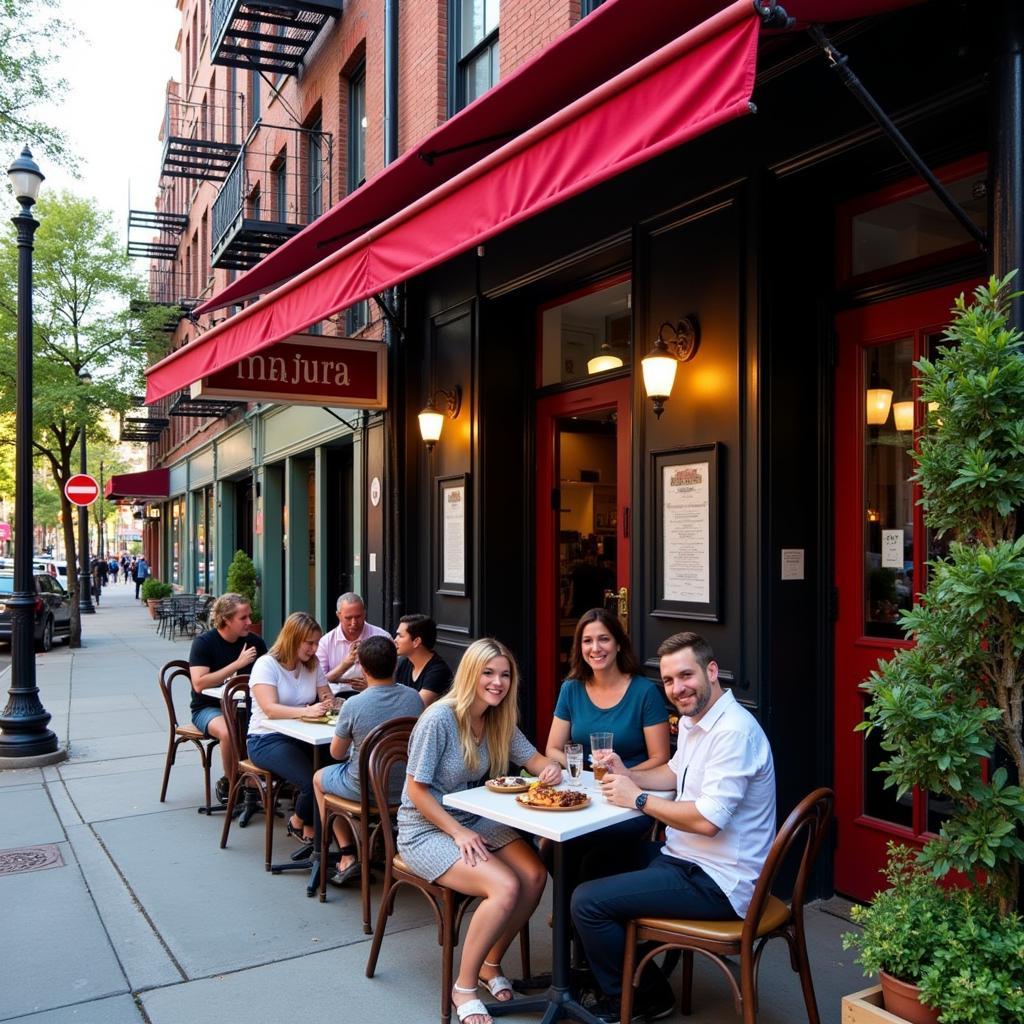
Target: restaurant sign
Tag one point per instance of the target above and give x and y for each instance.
(306, 369)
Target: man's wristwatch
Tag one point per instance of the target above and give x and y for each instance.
(640, 802)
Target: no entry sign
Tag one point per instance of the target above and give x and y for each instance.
(82, 489)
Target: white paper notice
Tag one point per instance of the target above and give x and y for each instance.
(892, 549)
(454, 535)
(792, 563)
(686, 540)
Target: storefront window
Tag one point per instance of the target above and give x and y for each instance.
(203, 582)
(888, 492)
(587, 336)
(177, 539)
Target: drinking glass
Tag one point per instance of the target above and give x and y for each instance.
(574, 762)
(600, 748)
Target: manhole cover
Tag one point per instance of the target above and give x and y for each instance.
(30, 858)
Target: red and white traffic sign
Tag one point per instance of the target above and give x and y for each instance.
(82, 489)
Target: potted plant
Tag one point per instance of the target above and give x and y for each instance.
(153, 592)
(242, 579)
(953, 705)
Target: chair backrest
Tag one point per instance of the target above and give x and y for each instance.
(370, 741)
(808, 822)
(234, 722)
(166, 677)
(388, 753)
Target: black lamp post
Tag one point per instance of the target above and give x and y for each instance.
(85, 605)
(25, 739)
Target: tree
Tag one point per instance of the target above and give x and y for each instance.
(27, 37)
(86, 320)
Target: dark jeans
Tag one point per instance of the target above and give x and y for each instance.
(662, 887)
(290, 759)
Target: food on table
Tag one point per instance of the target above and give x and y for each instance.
(507, 784)
(548, 796)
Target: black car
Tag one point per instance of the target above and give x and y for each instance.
(52, 613)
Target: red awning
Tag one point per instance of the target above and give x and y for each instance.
(694, 84)
(148, 485)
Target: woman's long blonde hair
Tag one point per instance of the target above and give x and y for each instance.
(297, 627)
(500, 722)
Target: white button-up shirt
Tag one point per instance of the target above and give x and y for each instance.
(724, 765)
(333, 649)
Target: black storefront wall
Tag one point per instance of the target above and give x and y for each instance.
(738, 228)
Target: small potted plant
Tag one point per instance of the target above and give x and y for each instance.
(153, 592)
(242, 579)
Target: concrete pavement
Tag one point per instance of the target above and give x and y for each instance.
(137, 915)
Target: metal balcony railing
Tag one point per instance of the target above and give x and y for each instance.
(167, 286)
(280, 181)
(202, 135)
(142, 424)
(168, 228)
(272, 36)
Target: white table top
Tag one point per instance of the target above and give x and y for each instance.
(309, 732)
(556, 825)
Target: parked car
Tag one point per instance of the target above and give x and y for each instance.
(52, 611)
(43, 565)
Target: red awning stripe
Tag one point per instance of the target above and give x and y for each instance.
(147, 485)
(697, 82)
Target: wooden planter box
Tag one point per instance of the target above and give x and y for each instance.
(865, 1007)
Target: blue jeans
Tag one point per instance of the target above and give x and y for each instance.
(662, 887)
(289, 759)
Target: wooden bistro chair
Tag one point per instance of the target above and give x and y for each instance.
(449, 906)
(186, 733)
(239, 768)
(361, 815)
(767, 918)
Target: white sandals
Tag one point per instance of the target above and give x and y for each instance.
(472, 1007)
(498, 984)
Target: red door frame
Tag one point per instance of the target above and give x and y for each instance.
(612, 394)
(860, 851)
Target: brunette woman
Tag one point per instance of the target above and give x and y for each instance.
(469, 734)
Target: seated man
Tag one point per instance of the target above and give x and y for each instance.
(382, 700)
(338, 649)
(720, 827)
(419, 667)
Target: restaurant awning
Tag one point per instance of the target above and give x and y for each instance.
(694, 84)
(145, 486)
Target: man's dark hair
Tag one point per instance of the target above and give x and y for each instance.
(378, 657)
(702, 651)
(421, 627)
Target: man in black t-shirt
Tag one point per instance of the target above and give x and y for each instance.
(218, 654)
(418, 665)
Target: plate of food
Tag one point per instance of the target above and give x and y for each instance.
(329, 719)
(508, 784)
(548, 798)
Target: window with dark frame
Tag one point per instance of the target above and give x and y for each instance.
(357, 128)
(254, 97)
(589, 6)
(474, 49)
(314, 171)
(279, 186)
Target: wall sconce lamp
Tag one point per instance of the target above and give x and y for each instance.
(432, 420)
(878, 402)
(605, 360)
(903, 415)
(659, 365)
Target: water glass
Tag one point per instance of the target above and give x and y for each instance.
(574, 762)
(600, 749)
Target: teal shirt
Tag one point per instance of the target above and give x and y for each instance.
(642, 705)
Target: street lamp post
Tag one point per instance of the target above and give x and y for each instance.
(85, 605)
(25, 740)
(101, 532)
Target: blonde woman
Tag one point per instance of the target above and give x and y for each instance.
(288, 682)
(467, 735)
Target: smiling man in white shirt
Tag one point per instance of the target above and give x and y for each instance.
(338, 650)
(719, 826)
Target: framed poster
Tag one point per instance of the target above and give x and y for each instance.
(687, 574)
(453, 535)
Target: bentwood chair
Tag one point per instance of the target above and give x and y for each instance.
(360, 814)
(239, 768)
(389, 754)
(767, 918)
(187, 733)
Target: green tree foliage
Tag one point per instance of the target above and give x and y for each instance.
(956, 699)
(29, 36)
(87, 319)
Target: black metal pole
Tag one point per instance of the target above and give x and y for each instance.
(23, 724)
(101, 531)
(85, 605)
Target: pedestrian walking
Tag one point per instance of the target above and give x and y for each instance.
(141, 572)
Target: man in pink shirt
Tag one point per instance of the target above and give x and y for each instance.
(339, 649)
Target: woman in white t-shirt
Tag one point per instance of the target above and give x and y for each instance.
(288, 682)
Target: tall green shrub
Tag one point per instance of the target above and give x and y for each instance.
(956, 698)
(242, 580)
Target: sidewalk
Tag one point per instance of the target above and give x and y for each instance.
(143, 918)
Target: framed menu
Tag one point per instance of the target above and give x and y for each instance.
(453, 535)
(686, 530)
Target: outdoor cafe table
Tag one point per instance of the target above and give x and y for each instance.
(560, 826)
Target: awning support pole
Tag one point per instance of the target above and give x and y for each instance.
(390, 315)
(839, 62)
(341, 419)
